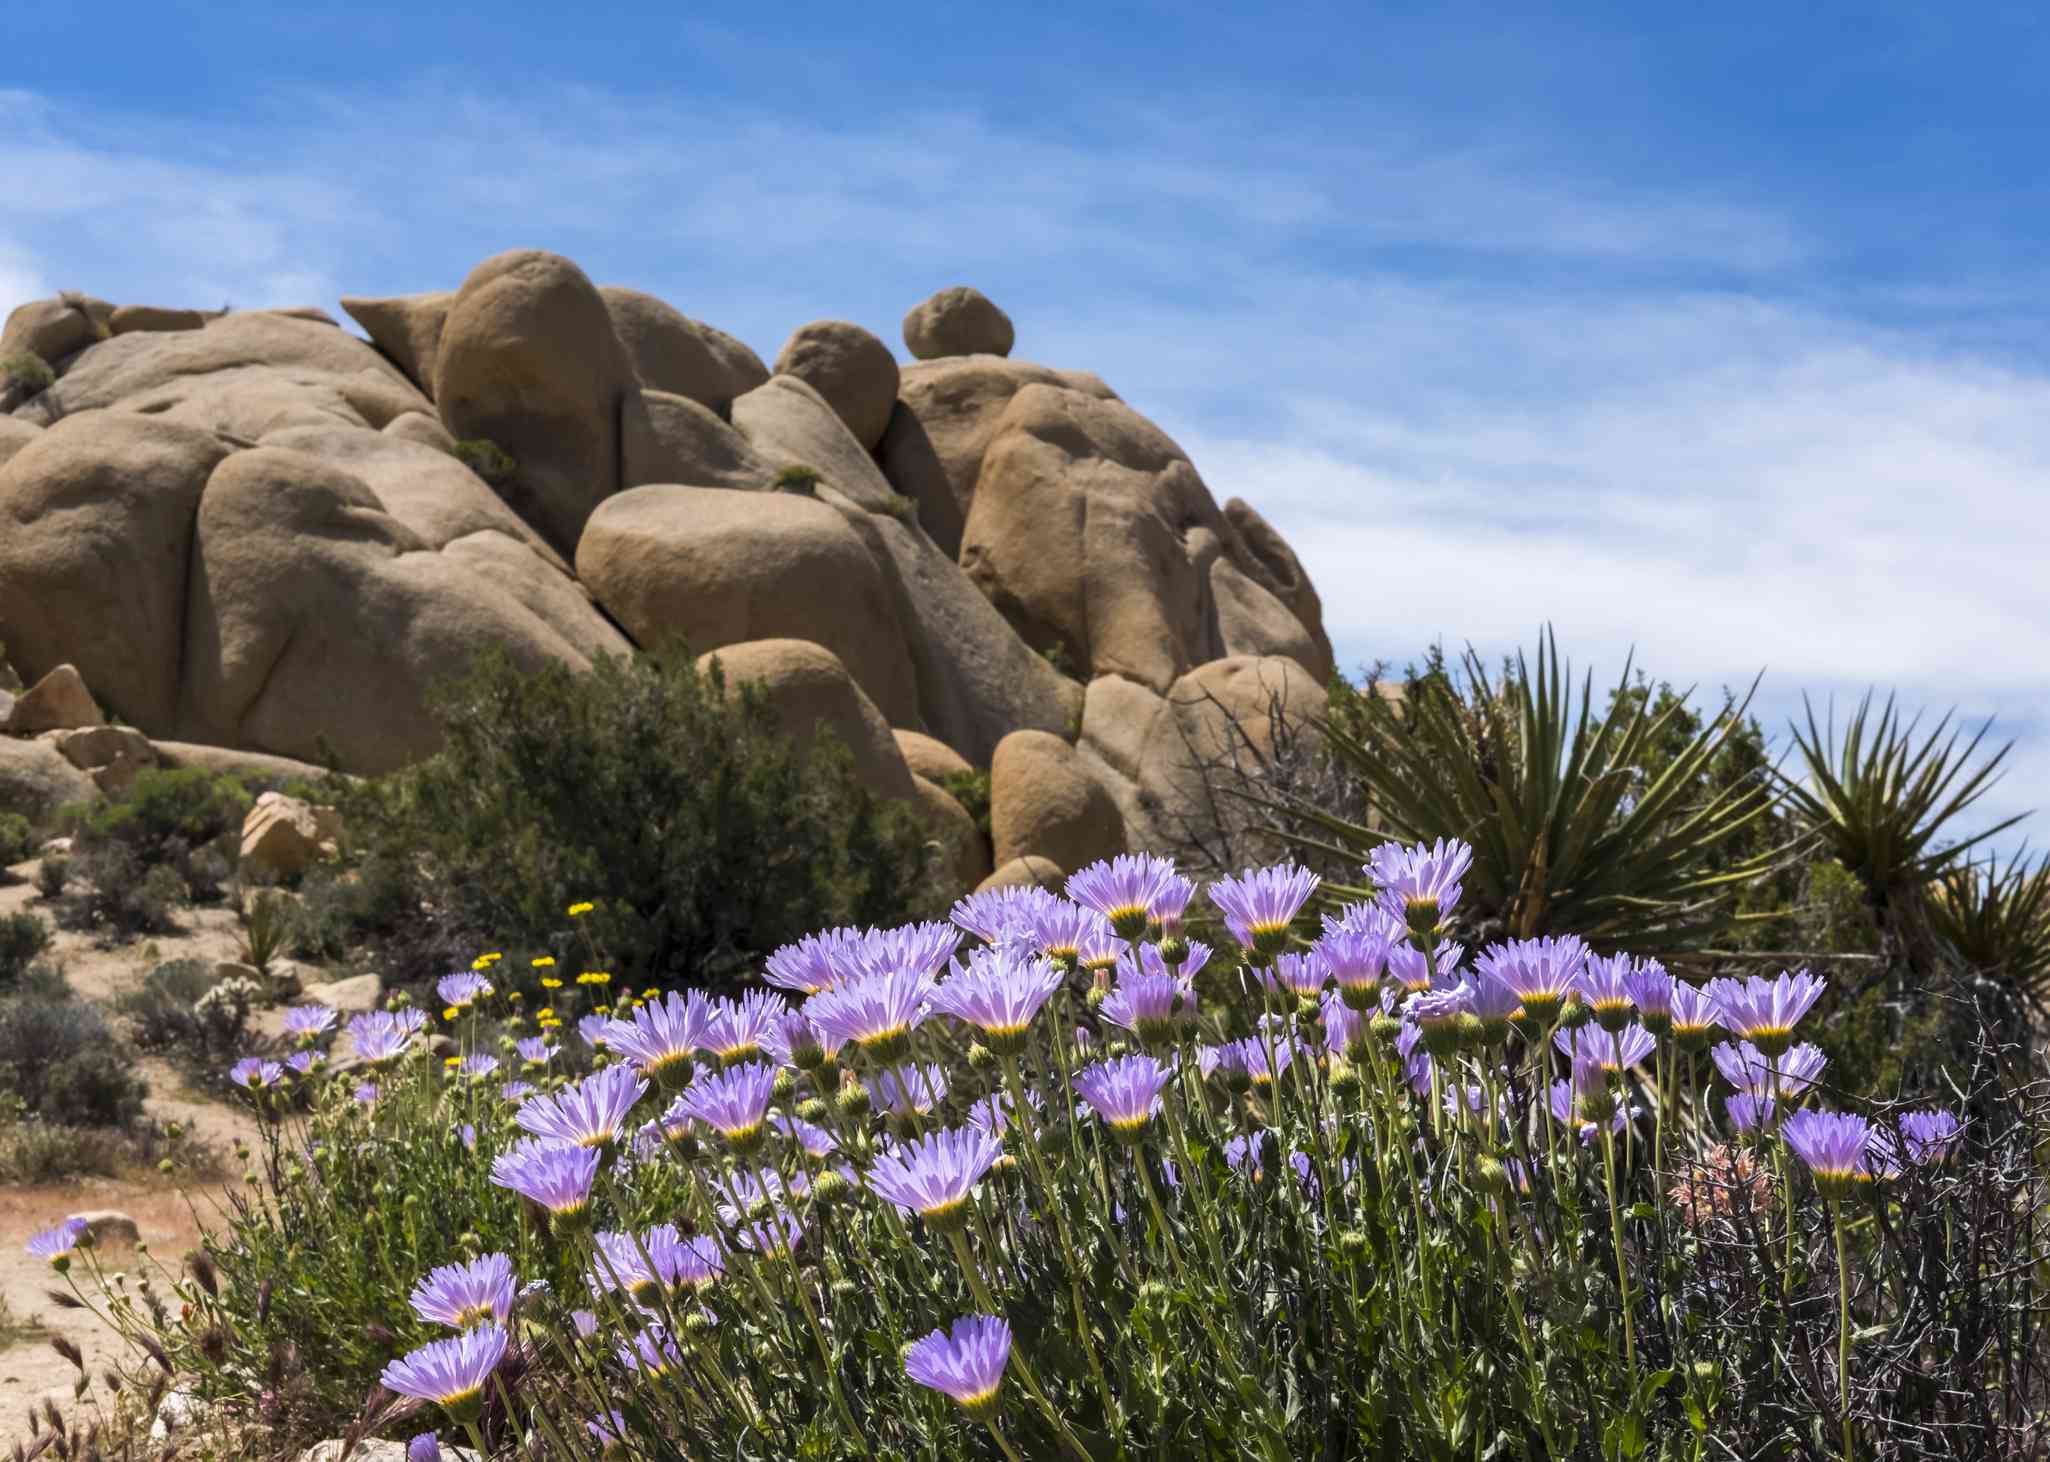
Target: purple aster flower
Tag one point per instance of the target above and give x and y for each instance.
(468, 1132)
(54, 1246)
(462, 1295)
(993, 1114)
(535, 1050)
(365, 1093)
(664, 1035)
(584, 1322)
(877, 1014)
(908, 1091)
(1749, 1069)
(301, 1063)
(1171, 904)
(1929, 1136)
(1495, 1004)
(1695, 1015)
(309, 1022)
(738, 1027)
(967, 1364)
(1260, 905)
(450, 1373)
(1151, 1003)
(478, 1065)
(659, 1261)
(1650, 989)
(1123, 889)
(597, 1030)
(1300, 975)
(733, 1102)
(1099, 948)
(1765, 1012)
(933, 1176)
(1059, 929)
(651, 1352)
(557, 1178)
(920, 949)
(795, 1042)
(1345, 1029)
(813, 1140)
(1356, 958)
(1585, 1101)
(814, 963)
(770, 1236)
(459, 992)
(1438, 1015)
(608, 1431)
(1833, 1145)
(1605, 988)
(1542, 972)
(1610, 1050)
(1264, 1060)
(993, 913)
(379, 1036)
(588, 1114)
(999, 992)
(1750, 1112)
(516, 1091)
(1419, 885)
(253, 1074)
(1125, 1091)
(424, 1448)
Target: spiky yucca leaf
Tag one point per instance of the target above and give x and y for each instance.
(1879, 800)
(1998, 920)
(1572, 833)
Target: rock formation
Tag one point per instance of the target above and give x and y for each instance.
(253, 537)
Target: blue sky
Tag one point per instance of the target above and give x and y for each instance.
(1725, 334)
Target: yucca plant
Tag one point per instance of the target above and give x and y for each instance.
(1582, 821)
(1880, 800)
(1998, 920)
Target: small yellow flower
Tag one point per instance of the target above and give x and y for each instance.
(602, 1009)
(544, 1012)
(450, 1014)
(515, 997)
(451, 1060)
(595, 977)
(651, 992)
(545, 962)
(550, 983)
(577, 911)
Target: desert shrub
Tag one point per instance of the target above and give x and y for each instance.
(802, 480)
(1281, 1239)
(182, 1008)
(53, 874)
(373, 900)
(970, 788)
(704, 834)
(17, 840)
(27, 372)
(487, 459)
(114, 894)
(165, 815)
(266, 927)
(59, 1058)
(24, 938)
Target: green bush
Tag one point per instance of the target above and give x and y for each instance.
(703, 833)
(24, 939)
(27, 372)
(487, 459)
(970, 788)
(802, 480)
(165, 814)
(180, 1009)
(58, 1056)
(17, 839)
(113, 894)
(52, 875)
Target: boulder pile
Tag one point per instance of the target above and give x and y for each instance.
(256, 534)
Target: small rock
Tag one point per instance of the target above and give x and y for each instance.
(1021, 871)
(282, 836)
(349, 997)
(57, 702)
(180, 1411)
(957, 321)
(57, 848)
(110, 1226)
(154, 317)
(114, 755)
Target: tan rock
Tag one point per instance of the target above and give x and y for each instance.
(717, 568)
(313, 314)
(977, 679)
(529, 360)
(317, 618)
(239, 373)
(109, 1226)
(944, 423)
(15, 434)
(1020, 872)
(957, 321)
(36, 780)
(1228, 711)
(58, 701)
(672, 439)
(852, 369)
(51, 328)
(529, 573)
(790, 423)
(673, 353)
(1117, 719)
(129, 318)
(1044, 801)
(418, 426)
(1270, 560)
(1251, 620)
(964, 852)
(933, 760)
(112, 755)
(282, 837)
(352, 996)
(807, 686)
(246, 766)
(407, 328)
(95, 536)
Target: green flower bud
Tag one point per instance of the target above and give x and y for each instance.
(981, 1057)
(785, 1085)
(854, 1101)
(811, 1109)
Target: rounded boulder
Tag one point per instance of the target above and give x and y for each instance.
(957, 321)
(674, 353)
(808, 687)
(851, 368)
(1044, 801)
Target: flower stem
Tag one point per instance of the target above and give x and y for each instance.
(1622, 1265)
(980, 1288)
(1843, 1324)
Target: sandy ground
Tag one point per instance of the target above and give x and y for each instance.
(29, 1368)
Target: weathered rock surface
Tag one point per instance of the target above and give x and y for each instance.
(58, 701)
(964, 852)
(790, 423)
(251, 766)
(670, 439)
(718, 567)
(15, 434)
(807, 686)
(1044, 801)
(54, 328)
(352, 996)
(282, 837)
(957, 321)
(129, 318)
(112, 756)
(852, 369)
(1285, 577)
(406, 328)
(672, 352)
(528, 359)
(1020, 872)
(36, 780)
(933, 760)
(109, 1226)
(418, 426)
